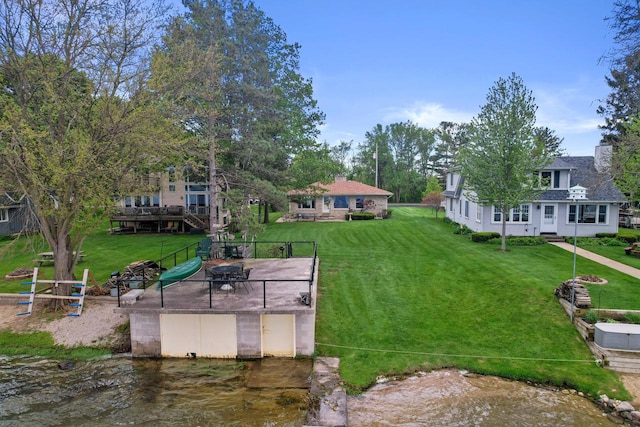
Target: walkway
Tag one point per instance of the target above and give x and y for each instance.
(631, 271)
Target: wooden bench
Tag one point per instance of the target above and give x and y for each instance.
(634, 249)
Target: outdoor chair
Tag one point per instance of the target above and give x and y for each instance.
(204, 249)
(244, 280)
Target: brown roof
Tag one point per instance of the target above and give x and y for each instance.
(342, 188)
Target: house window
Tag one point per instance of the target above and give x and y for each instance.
(307, 204)
(451, 205)
(519, 214)
(466, 209)
(451, 179)
(545, 179)
(479, 213)
(172, 187)
(4, 215)
(359, 202)
(556, 179)
(340, 202)
(588, 214)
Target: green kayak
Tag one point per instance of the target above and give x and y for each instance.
(179, 272)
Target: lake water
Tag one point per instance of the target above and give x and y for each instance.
(119, 391)
(170, 392)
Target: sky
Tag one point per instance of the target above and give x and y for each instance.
(381, 62)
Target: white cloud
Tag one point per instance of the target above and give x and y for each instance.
(427, 114)
(568, 110)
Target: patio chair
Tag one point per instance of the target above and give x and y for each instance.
(203, 250)
(244, 279)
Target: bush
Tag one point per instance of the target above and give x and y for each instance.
(632, 318)
(360, 216)
(463, 230)
(628, 238)
(604, 241)
(526, 240)
(602, 235)
(591, 317)
(386, 214)
(484, 236)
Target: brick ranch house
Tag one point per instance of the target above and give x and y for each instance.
(336, 199)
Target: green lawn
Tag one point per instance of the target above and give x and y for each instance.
(405, 294)
(105, 253)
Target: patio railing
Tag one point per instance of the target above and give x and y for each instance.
(266, 249)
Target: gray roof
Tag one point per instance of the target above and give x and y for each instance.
(600, 186)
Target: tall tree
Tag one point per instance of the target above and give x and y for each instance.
(500, 161)
(75, 121)
(450, 138)
(315, 164)
(623, 102)
(262, 109)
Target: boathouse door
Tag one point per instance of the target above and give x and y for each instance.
(278, 335)
(198, 335)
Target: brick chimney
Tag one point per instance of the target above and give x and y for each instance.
(341, 178)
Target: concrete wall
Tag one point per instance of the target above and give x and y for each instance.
(145, 334)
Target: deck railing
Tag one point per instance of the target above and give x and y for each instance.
(266, 249)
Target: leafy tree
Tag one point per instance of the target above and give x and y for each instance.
(450, 138)
(403, 150)
(625, 164)
(549, 141)
(623, 103)
(434, 200)
(500, 161)
(251, 104)
(316, 164)
(75, 121)
(433, 184)
(340, 153)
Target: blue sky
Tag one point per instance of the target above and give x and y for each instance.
(430, 61)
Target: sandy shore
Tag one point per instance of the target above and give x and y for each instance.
(95, 326)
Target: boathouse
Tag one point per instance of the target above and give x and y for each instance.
(269, 313)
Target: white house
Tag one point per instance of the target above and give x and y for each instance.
(553, 212)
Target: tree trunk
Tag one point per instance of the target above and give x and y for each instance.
(503, 244)
(213, 182)
(266, 212)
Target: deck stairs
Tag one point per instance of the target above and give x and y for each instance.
(552, 237)
(194, 221)
(77, 295)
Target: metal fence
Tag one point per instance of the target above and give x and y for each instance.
(266, 249)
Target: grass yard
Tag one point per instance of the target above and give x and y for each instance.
(105, 253)
(405, 294)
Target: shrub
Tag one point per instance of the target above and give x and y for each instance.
(526, 240)
(591, 317)
(602, 235)
(386, 213)
(632, 318)
(628, 238)
(360, 216)
(463, 229)
(484, 236)
(604, 241)
(447, 220)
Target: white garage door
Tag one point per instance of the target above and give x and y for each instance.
(198, 335)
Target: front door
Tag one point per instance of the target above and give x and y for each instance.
(326, 204)
(549, 220)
